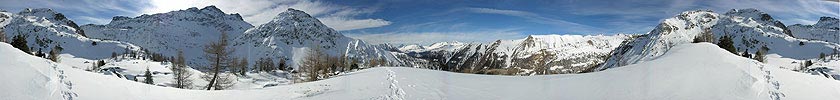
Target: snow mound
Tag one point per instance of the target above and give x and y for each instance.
(31, 78)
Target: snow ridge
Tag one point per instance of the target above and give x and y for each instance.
(750, 29)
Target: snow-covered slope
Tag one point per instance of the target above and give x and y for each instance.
(750, 30)
(570, 53)
(293, 33)
(826, 29)
(45, 29)
(166, 33)
(687, 71)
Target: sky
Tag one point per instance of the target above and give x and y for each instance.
(430, 21)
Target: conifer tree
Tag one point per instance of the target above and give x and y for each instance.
(149, 79)
(727, 44)
(19, 42)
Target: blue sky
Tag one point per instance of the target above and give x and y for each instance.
(428, 21)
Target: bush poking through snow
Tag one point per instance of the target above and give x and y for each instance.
(54, 53)
(759, 55)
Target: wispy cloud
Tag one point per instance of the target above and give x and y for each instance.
(434, 37)
(532, 17)
(82, 11)
(261, 11)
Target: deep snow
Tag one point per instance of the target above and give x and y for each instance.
(687, 71)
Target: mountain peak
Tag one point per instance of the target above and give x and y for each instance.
(750, 13)
(296, 27)
(212, 9)
(828, 22)
(37, 10)
(42, 12)
(293, 13)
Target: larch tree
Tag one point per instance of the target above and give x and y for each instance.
(243, 66)
(218, 54)
(313, 64)
(2, 36)
(180, 74)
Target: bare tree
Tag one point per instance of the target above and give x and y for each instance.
(180, 74)
(243, 66)
(218, 54)
(2, 36)
(541, 61)
(312, 64)
(54, 53)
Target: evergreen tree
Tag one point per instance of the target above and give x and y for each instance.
(19, 42)
(148, 76)
(822, 55)
(746, 54)
(808, 63)
(113, 54)
(40, 53)
(281, 64)
(727, 44)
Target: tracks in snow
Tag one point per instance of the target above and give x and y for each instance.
(774, 87)
(66, 91)
(396, 92)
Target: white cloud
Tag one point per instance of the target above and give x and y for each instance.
(433, 37)
(261, 11)
(93, 20)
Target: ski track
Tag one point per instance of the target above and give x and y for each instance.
(67, 94)
(774, 87)
(397, 92)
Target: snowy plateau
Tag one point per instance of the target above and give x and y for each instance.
(799, 62)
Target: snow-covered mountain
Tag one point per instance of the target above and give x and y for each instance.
(293, 33)
(568, 53)
(166, 33)
(750, 29)
(826, 29)
(45, 29)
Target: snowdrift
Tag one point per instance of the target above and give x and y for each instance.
(688, 71)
